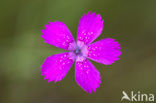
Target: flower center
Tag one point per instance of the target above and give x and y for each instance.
(78, 51)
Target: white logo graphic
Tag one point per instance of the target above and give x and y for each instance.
(137, 96)
(125, 96)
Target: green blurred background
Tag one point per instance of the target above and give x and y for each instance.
(22, 50)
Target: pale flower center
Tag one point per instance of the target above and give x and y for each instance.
(79, 51)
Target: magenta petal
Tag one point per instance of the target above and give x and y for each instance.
(57, 34)
(86, 75)
(89, 28)
(105, 51)
(56, 66)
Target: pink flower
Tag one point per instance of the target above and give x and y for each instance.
(104, 51)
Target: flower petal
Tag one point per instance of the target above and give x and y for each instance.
(56, 66)
(57, 34)
(105, 51)
(86, 75)
(89, 28)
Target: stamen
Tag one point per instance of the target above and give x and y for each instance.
(77, 51)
